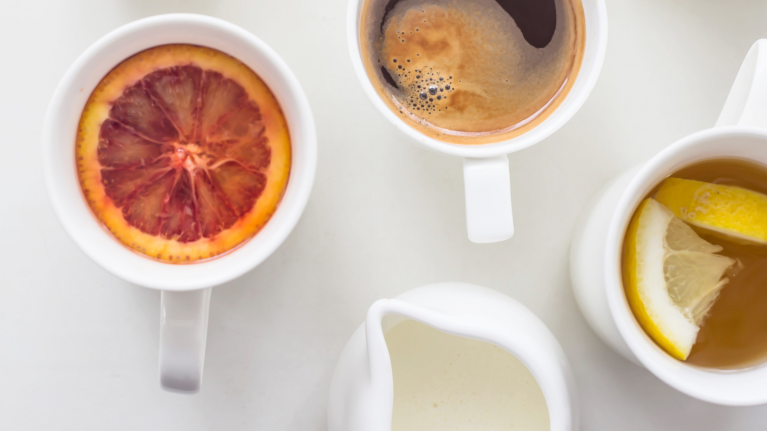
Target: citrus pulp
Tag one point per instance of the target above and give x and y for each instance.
(183, 153)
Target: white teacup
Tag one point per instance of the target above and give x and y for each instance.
(185, 288)
(595, 255)
(486, 166)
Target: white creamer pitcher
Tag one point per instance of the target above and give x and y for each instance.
(362, 389)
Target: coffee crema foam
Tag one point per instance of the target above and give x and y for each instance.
(465, 71)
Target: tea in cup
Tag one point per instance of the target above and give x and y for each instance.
(667, 261)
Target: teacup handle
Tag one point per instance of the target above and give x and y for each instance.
(183, 332)
(746, 104)
(488, 199)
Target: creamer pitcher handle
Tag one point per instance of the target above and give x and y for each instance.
(746, 104)
(183, 332)
(488, 199)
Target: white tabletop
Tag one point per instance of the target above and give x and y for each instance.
(78, 347)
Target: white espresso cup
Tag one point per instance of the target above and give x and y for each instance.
(595, 255)
(185, 288)
(486, 166)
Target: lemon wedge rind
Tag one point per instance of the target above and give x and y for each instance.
(733, 212)
(671, 277)
(652, 306)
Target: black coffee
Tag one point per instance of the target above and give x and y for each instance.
(472, 71)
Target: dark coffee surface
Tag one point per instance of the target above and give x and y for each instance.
(470, 68)
(536, 19)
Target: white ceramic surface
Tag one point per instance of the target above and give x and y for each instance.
(362, 389)
(595, 256)
(79, 345)
(486, 168)
(184, 315)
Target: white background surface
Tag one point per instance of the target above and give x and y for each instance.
(78, 347)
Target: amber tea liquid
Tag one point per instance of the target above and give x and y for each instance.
(734, 335)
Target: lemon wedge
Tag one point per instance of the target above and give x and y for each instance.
(734, 212)
(671, 276)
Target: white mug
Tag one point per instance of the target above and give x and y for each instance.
(486, 167)
(595, 254)
(362, 389)
(185, 288)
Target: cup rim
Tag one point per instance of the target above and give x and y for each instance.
(570, 105)
(725, 387)
(125, 41)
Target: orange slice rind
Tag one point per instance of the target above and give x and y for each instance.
(183, 153)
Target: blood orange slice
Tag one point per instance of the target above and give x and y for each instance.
(182, 152)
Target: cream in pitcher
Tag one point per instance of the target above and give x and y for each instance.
(452, 356)
(443, 381)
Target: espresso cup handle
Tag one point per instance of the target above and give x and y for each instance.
(746, 104)
(183, 331)
(488, 199)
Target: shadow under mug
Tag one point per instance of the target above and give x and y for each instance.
(185, 289)
(486, 166)
(596, 249)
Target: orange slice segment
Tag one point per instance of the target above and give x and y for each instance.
(183, 153)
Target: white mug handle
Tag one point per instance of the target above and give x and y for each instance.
(488, 199)
(183, 332)
(746, 104)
